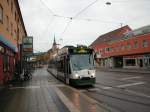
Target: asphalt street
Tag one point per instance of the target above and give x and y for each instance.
(124, 92)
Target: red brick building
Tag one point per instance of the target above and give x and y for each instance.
(124, 48)
(12, 31)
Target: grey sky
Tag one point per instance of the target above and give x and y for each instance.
(86, 27)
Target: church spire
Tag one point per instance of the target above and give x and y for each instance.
(54, 43)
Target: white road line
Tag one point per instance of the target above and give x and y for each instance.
(130, 84)
(128, 78)
(138, 93)
(26, 87)
(105, 87)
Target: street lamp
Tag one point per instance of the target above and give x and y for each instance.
(108, 3)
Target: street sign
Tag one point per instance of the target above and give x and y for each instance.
(28, 45)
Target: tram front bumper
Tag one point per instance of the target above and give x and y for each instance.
(83, 81)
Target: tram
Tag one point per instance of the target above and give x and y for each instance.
(74, 65)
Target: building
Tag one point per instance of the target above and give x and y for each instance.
(12, 30)
(132, 50)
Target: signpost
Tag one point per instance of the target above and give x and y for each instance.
(27, 54)
(28, 45)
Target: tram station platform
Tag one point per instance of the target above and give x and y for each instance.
(44, 93)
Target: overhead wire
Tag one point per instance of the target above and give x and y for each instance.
(50, 10)
(85, 8)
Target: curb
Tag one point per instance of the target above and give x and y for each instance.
(66, 101)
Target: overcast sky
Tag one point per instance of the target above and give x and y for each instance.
(99, 18)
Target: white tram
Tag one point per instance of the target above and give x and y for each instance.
(74, 65)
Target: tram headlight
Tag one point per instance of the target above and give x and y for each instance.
(92, 74)
(76, 75)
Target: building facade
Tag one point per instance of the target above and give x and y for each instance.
(12, 30)
(132, 50)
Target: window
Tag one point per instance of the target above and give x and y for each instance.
(144, 44)
(5, 63)
(11, 29)
(130, 62)
(8, 2)
(7, 19)
(1, 14)
(135, 44)
(11, 6)
(128, 46)
(15, 16)
(1, 49)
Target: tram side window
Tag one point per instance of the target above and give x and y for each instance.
(5, 63)
(60, 66)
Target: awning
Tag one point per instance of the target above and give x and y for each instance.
(8, 43)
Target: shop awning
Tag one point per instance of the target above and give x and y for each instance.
(8, 43)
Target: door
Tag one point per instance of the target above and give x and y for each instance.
(1, 69)
(141, 63)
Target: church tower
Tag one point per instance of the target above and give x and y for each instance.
(54, 47)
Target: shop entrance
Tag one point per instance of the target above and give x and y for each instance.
(141, 63)
(118, 62)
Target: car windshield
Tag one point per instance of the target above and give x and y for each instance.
(82, 61)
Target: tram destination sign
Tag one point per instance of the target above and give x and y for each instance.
(81, 51)
(28, 45)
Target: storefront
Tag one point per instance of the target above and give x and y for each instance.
(136, 61)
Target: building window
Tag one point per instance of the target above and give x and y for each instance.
(11, 6)
(130, 62)
(135, 44)
(7, 19)
(1, 14)
(144, 44)
(6, 63)
(15, 16)
(8, 2)
(11, 29)
(128, 46)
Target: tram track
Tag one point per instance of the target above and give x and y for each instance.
(106, 94)
(118, 88)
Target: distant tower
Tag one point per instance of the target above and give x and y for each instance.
(54, 47)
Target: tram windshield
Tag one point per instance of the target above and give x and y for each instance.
(84, 61)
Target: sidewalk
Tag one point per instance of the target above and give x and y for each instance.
(125, 70)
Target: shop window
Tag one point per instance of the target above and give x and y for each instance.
(1, 49)
(130, 62)
(1, 14)
(135, 44)
(5, 63)
(144, 43)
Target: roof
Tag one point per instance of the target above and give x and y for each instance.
(20, 15)
(118, 33)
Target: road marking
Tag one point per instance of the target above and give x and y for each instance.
(137, 93)
(128, 78)
(131, 84)
(26, 87)
(104, 87)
